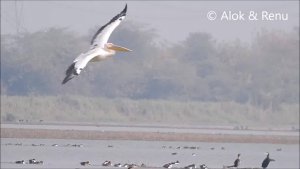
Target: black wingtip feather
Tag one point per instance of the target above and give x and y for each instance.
(69, 73)
(124, 10)
(122, 13)
(70, 69)
(67, 78)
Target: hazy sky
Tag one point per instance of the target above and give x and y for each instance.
(173, 20)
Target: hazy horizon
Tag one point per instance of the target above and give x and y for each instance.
(173, 21)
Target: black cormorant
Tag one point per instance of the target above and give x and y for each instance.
(20, 162)
(266, 161)
(236, 162)
(85, 163)
(203, 166)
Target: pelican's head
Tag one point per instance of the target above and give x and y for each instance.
(117, 48)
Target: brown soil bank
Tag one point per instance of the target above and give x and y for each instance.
(149, 136)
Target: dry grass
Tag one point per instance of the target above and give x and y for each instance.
(127, 111)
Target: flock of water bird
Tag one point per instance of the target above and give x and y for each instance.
(169, 165)
(107, 163)
(34, 145)
(236, 164)
(30, 161)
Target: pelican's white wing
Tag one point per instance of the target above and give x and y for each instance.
(98, 42)
(102, 35)
(84, 55)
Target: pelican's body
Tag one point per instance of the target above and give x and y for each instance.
(99, 50)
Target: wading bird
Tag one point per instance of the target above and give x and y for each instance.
(85, 163)
(20, 162)
(106, 163)
(203, 166)
(99, 49)
(266, 161)
(236, 162)
(169, 165)
(192, 166)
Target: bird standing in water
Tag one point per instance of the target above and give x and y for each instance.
(236, 162)
(266, 161)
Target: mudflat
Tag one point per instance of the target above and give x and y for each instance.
(142, 135)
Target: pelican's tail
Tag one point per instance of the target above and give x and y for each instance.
(70, 73)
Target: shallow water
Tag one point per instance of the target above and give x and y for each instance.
(151, 153)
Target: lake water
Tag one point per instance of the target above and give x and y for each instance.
(151, 153)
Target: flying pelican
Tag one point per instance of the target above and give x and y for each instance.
(99, 49)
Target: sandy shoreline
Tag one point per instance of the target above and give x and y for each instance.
(148, 136)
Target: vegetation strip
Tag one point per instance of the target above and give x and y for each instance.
(148, 136)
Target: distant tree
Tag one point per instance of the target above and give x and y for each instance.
(264, 73)
(34, 63)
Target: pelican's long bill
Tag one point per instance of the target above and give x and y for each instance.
(118, 48)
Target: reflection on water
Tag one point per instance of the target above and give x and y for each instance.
(59, 153)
